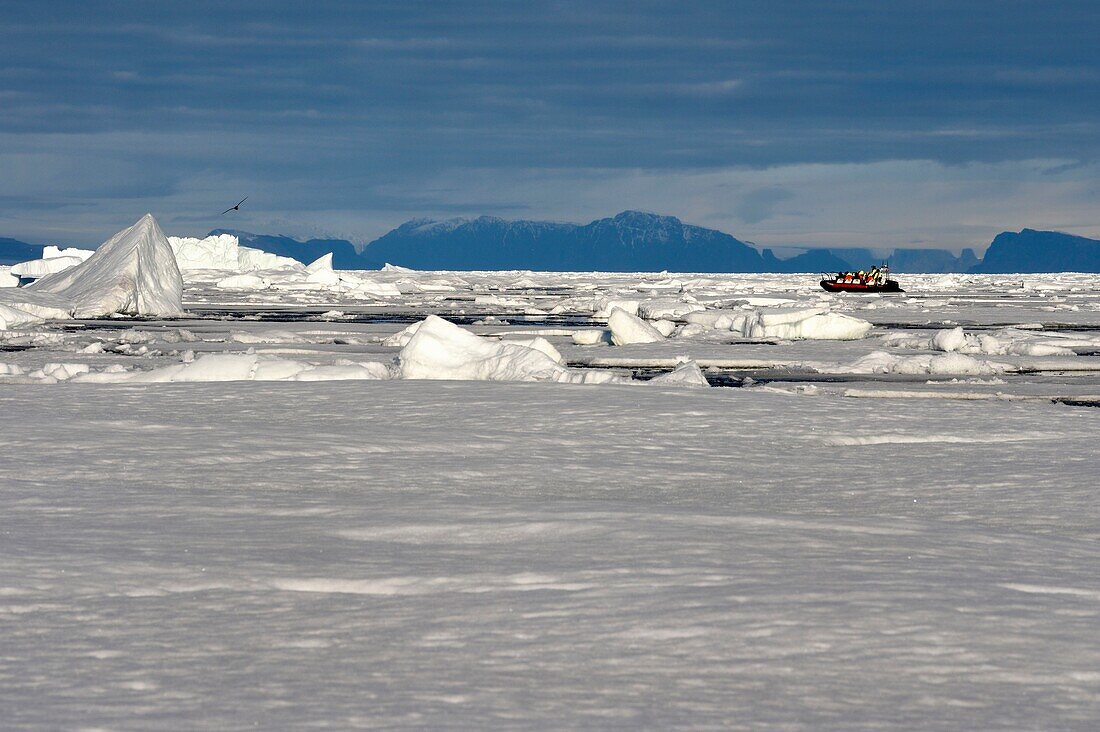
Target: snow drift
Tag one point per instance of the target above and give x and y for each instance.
(134, 272)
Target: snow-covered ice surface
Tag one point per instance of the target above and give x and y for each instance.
(890, 525)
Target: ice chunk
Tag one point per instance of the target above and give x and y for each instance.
(714, 319)
(401, 338)
(243, 282)
(242, 367)
(826, 326)
(771, 318)
(52, 252)
(219, 251)
(251, 260)
(65, 371)
(591, 337)
(664, 327)
(325, 277)
(42, 267)
(370, 287)
(442, 350)
(627, 329)
(322, 263)
(7, 279)
(881, 362)
(14, 317)
(540, 344)
(667, 309)
(949, 339)
(793, 324)
(223, 251)
(607, 305)
(133, 272)
(686, 374)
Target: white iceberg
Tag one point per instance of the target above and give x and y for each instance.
(591, 337)
(53, 252)
(41, 267)
(134, 272)
(223, 251)
(320, 271)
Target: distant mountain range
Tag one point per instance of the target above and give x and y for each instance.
(13, 251)
(634, 241)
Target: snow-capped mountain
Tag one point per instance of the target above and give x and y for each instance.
(630, 241)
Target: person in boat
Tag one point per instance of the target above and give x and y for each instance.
(873, 276)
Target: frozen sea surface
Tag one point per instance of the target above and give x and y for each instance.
(859, 538)
(457, 554)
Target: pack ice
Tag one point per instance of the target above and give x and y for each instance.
(134, 272)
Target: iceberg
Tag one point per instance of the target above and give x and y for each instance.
(53, 252)
(320, 271)
(223, 251)
(134, 272)
(46, 266)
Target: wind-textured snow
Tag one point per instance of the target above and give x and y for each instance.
(463, 554)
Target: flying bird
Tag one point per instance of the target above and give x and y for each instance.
(234, 208)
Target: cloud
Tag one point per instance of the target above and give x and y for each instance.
(759, 205)
(354, 111)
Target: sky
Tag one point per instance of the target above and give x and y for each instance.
(842, 123)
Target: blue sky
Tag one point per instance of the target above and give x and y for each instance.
(825, 123)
